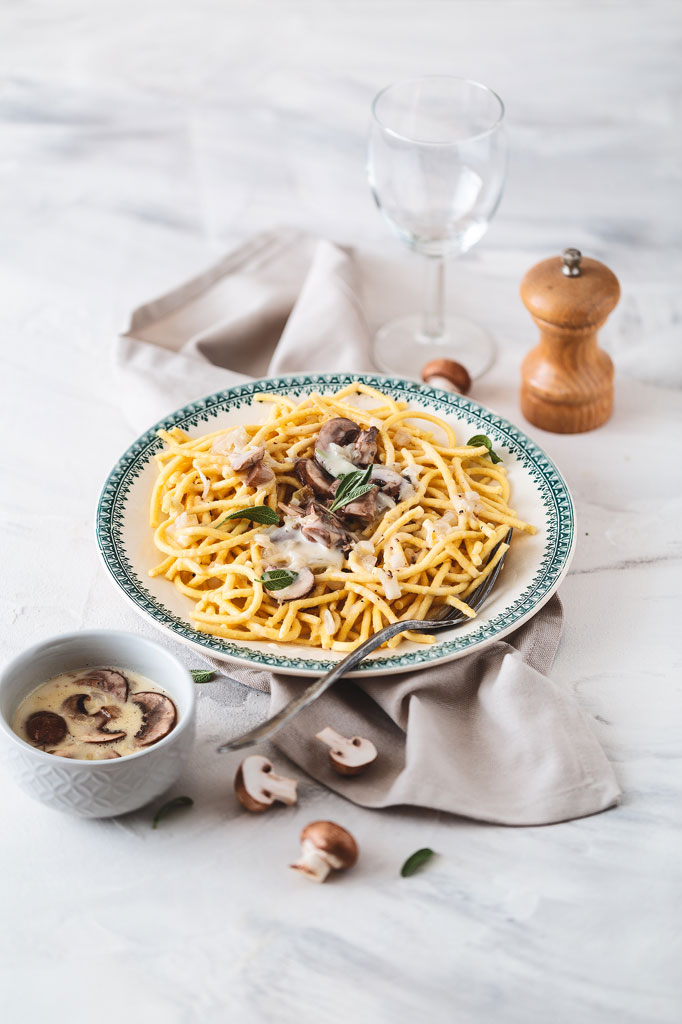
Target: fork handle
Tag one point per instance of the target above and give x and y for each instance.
(274, 724)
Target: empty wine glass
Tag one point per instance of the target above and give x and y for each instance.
(436, 166)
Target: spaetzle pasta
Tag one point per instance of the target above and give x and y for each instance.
(417, 537)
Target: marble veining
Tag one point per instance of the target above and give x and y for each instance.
(142, 140)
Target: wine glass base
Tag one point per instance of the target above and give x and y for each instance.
(401, 348)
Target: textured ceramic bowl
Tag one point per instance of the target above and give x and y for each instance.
(96, 789)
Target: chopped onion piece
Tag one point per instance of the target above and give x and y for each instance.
(328, 622)
(391, 587)
(235, 440)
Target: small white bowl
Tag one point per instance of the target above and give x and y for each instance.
(96, 789)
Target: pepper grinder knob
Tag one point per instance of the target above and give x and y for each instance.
(567, 380)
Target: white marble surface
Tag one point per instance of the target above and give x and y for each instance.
(139, 141)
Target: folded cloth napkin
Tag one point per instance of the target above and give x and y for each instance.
(488, 736)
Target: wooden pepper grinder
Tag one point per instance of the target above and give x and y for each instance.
(567, 381)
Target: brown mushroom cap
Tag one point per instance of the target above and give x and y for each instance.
(449, 373)
(159, 715)
(109, 680)
(339, 430)
(332, 840)
(45, 728)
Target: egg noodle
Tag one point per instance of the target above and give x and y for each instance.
(428, 548)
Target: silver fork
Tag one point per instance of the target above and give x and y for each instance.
(445, 619)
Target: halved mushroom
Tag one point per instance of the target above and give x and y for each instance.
(339, 431)
(159, 715)
(45, 728)
(347, 756)
(390, 482)
(325, 847)
(109, 680)
(257, 787)
(311, 474)
(301, 587)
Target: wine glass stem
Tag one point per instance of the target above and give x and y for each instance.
(433, 320)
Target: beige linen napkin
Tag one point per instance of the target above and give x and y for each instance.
(488, 736)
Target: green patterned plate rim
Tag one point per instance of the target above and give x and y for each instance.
(554, 495)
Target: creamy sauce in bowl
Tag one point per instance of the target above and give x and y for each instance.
(95, 714)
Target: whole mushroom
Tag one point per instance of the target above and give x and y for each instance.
(325, 847)
(447, 374)
(257, 787)
(347, 756)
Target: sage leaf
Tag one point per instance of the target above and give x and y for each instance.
(352, 486)
(416, 861)
(176, 804)
(278, 579)
(255, 513)
(200, 675)
(478, 439)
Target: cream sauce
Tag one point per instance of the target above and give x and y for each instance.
(50, 696)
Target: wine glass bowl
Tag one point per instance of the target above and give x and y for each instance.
(436, 168)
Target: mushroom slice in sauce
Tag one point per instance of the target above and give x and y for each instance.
(301, 587)
(337, 431)
(45, 728)
(364, 448)
(98, 733)
(75, 706)
(109, 680)
(310, 473)
(158, 716)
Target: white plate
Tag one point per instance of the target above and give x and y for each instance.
(533, 570)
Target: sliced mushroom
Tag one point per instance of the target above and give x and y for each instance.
(339, 431)
(390, 482)
(323, 526)
(259, 475)
(365, 447)
(347, 756)
(325, 847)
(310, 473)
(295, 511)
(257, 787)
(75, 706)
(98, 734)
(246, 459)
(109, 680)
(45, 728)
(159, 715)
(301, 587)
(364, 508)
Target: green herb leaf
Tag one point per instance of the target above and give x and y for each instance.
(352, 486)
(176, 804)
(278, 579)
(416, 861)
(478, 439)
(199, 675)
(256, 514)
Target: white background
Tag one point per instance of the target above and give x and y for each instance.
(138, 142)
